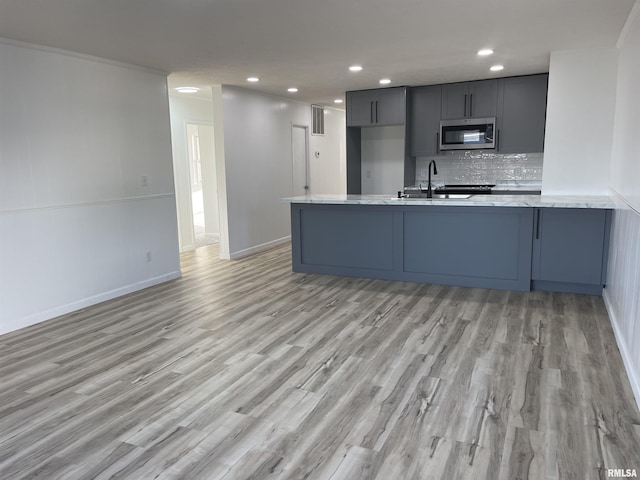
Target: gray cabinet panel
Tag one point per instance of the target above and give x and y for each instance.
(345, 237)
(469, 242)
(391, 106)
(455, 97)
(486, 247)
(425, 120)
(569, 245)
(483, 98)
(360, 108)
(522, 108)
(354, 164)
(382, 106)
(469, 99)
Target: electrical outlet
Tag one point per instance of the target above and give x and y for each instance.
(368, 173)
(144, 181)
(148, 255)
(424, 172)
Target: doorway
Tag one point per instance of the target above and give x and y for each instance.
(301, 181)
(203, 183)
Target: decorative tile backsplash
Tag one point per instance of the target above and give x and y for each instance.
(481, 167)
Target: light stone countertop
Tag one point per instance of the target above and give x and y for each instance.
(553, 201)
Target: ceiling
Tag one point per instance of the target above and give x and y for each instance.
(310, 44)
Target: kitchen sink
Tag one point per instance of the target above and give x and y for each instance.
(436, 196)
(450, 195)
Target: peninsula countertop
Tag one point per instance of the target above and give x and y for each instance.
(547, 201)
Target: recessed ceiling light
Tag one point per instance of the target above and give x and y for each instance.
(355, 68)
(497, 68)
(187, 89)
(385, 81)
(253, 79)
(337, 100)
(484, 52)
(292, 89)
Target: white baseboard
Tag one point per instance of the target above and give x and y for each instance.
(85, 302)
(259, 248)
(634, 377)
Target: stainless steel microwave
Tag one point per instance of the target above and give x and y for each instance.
(467, 133)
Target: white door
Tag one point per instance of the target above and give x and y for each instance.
(299, 146)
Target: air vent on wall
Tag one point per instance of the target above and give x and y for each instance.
(317, 120)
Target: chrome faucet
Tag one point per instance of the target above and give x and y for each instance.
(435, 172)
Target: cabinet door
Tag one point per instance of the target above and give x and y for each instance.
(568, 245)
(425, 120)
(483, 98)
(360, 108)
(390, 106)
(522, 109)
(455, 99)
(383, 106)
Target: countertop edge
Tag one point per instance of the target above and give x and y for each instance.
(547, 201)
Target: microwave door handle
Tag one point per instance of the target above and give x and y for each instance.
(465, 105)
(471, 105)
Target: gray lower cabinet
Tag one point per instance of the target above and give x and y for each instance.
(570, 249)
(469, 99)
(469, 246)
(378, 107)
(511, 248)
(488, 247)
(347, 238)
(425, 120)
(522, 108)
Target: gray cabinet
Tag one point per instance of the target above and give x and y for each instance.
(522, 108)
(469, 99)
(487, 247)
(383, 106)
(570, 247)
(515, 248)
(350, 237)
(425, 120)
(417, 244)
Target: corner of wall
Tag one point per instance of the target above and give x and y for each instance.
(221, 171)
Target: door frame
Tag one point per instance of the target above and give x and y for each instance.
(307, 167)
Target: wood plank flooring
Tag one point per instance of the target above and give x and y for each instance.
(245, 370)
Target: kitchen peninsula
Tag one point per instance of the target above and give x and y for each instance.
(513, 242)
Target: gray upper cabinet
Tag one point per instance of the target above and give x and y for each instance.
(522, 108)
(383, 106)
(469, 99)
(425, 120)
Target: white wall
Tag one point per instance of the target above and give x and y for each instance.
(221, 170)
(382, 160)
(625, 164)
(328, 171)
(77, 136)
(622, 294)
(197, 110)
(258, 166)
(579, 126)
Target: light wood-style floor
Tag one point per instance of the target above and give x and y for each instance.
(245, 370)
